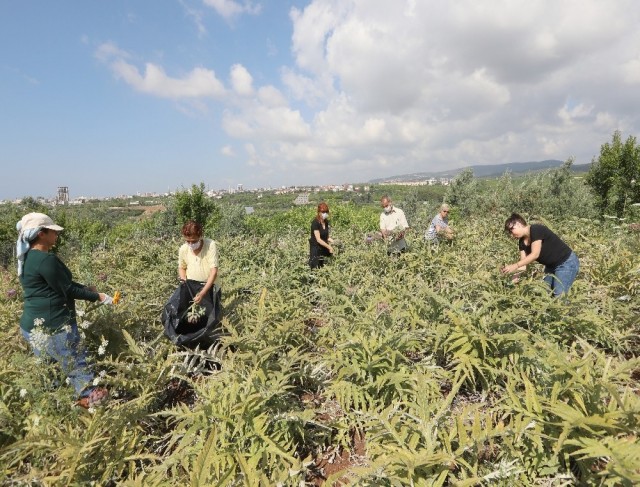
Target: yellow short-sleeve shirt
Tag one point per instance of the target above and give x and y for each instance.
(199, 266)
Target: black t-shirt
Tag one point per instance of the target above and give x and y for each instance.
(324, 232)
(553, 251)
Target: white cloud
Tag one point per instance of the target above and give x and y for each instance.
(198, 83)
(424, 85)
(569, 113)
(432, 84)
(313, 91)
(257, 121)
(241, 80)
(228, 151)
(231, 8)
(311, 28)
(271, 97)
(108, 51)
(631, 71)
(605, 121)
(196, 16)
(254, 159)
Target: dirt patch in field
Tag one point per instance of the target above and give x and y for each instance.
(336, 460)
(333, 462)
(150, 210)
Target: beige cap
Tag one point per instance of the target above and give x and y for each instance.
(38, 220)
(444, 207)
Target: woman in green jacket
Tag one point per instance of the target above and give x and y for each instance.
(48, 320)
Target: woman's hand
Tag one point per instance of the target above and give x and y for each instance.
(200, 296)
(510, 269)
(330, 249)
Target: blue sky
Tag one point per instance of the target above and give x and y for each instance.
(122, 96)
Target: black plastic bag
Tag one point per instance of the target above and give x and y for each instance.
(206, 330)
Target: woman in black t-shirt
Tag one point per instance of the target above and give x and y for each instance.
(320, 242)
(538, 243)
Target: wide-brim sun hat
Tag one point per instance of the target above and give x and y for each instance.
(38, 220)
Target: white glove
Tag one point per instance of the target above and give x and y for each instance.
(107, 299)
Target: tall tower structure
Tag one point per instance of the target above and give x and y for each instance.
(63, 195)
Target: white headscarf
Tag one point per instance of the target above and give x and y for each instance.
(22, 245)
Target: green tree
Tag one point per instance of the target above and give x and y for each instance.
(411, 204)
(194, 204)
(462, 192)
(615, 175)
(31, 204)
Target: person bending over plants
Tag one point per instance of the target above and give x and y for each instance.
(48, 319)
(192, 316)
(198, 259)
(439, 228)
(393, 225)
(537, 243)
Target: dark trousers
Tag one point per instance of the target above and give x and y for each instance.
(317, 256)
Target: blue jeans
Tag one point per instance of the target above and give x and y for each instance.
(64, 347)
(561, 277)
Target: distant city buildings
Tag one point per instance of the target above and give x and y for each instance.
(302, 193)
(63, 195)
(421, 182)
(302, 199)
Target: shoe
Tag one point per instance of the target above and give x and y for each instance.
(93, 397)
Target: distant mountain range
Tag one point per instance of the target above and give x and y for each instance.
(484, 171)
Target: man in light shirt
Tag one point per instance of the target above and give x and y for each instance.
(393, 225)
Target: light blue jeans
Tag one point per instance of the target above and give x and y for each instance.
(64, 347)
(561, 277)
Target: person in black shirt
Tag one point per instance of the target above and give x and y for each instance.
(538, 243)
(320, 242)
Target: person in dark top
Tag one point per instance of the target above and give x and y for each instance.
(320, 242)
(48, 320)
(538, 243)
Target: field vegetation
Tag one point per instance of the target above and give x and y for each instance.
(426, 369)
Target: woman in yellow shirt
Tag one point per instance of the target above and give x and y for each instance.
(198, 259)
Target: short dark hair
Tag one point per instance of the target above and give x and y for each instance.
(514, 218)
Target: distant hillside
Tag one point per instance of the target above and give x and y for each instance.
(484, 171)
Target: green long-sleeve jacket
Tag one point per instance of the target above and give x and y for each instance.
(49, 292)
